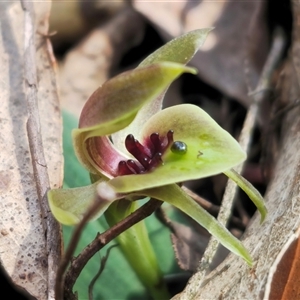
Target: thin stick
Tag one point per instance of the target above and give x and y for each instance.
(102, 266)
(78, 263)
(50, 226)
(258, 96)
(211, 208)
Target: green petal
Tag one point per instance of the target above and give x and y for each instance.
(210, 149)
(116, 103)
(180, 50)
(250, 190)
(69, 205)
(174, 195)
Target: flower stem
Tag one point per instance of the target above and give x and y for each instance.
(137, 249)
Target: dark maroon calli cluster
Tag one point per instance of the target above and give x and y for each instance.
(147, 156)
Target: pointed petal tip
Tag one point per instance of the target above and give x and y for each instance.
(203, 31)
(63, 216)
(263, 215)
(249, 261)
(191, 70)
(69, 206)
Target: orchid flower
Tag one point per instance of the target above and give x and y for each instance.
(133, 149)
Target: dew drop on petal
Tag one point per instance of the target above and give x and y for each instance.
(179, 148)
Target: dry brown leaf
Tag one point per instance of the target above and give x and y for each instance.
(188, 246)
(189, 242)
(23, 251)
(283, 279)
(89, 64)
(240, 32)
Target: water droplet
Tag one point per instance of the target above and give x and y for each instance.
(179, 147)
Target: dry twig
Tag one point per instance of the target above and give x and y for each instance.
(101, 269)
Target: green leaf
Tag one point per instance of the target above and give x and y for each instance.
(114, 105)
(210, 149)
(179, 50)
(250, 190)
(174, 195)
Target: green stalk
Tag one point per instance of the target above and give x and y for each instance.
(137, 249)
